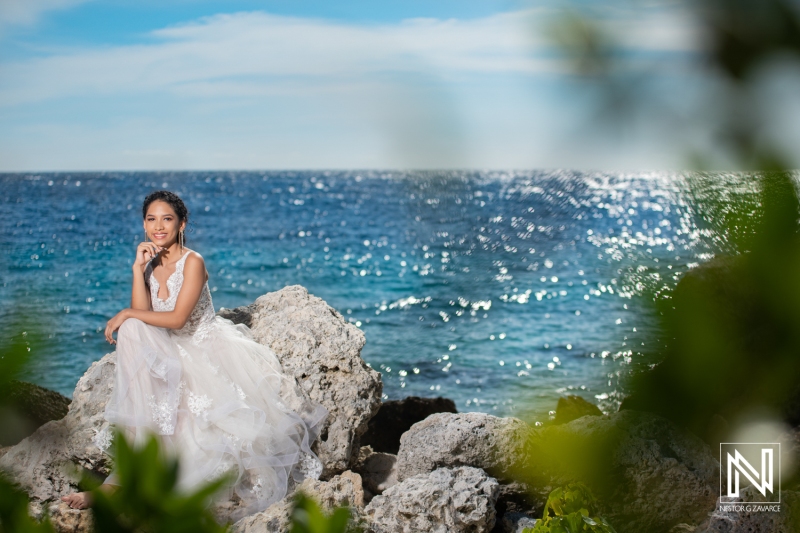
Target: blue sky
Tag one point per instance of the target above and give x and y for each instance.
(193, 84)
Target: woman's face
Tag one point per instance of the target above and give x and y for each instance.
(161, 224)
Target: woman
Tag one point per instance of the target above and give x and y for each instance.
(213, 394)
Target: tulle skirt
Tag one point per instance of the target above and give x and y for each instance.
(221, 403)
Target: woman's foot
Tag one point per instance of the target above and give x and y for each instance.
(78, 500)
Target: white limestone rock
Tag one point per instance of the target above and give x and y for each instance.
(313, 342)
(447, 500)
(378, 470)
(497, 445)
(67, 520)
(45, 464)
(322, 351)
(340, 490)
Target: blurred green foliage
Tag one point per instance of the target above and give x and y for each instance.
(725, 352)
(730, 331)
(14, 355)
(738, 45)
(14, 516)
(308, 517)
(731, 328)
(571, 509)
(148, 497)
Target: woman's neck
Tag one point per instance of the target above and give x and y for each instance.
(171, 254)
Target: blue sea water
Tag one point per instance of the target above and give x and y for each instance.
(500, 290)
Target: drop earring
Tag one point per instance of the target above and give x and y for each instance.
(182, 240)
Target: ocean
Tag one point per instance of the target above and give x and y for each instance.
(500, 290)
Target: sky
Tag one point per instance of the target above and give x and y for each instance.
(299, 84)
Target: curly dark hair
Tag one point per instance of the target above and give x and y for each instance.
(172, 199)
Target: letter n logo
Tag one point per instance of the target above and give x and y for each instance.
(750, 463)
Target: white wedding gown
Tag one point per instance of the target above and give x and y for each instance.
(216, 398)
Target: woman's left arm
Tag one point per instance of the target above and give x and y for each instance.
(194, 272)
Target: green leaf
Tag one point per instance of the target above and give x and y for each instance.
(578, 502)
(308, 517)
(14, 516)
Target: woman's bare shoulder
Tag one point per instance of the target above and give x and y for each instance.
(195, 258)
(196, 263)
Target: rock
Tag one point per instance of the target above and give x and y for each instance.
(447, 500)
(343, 489)
(68, 520)
(573, 407)
(34, 405)
(239, 315)
(276, 519)
(378, 470)
(515, 500)
(45, 464)
(494, 444)
(787, 519)
(322, 351)
(517, 522)
(36, 510)
(313, 342)
(648, 474)
(395, 417)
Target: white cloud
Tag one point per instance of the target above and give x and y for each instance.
(255, 90)
(234, 54)
(28, 12)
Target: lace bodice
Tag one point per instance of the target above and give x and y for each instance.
(202, 317)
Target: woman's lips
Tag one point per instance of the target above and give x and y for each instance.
(159, 235)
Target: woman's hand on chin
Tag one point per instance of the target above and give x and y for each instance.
(144, 253)
(114, 324)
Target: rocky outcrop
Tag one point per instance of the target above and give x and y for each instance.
(395, 417)
(313, 342)
(322, 351)
(573, 407)
(447, 500)
(648, 474)
(741, 519)
(378, 471)
(46, 463)
(452, 472)
(497, 445)
(516, 522)
(68, 520)
(32, 406)
(517, 504)
(340, 490)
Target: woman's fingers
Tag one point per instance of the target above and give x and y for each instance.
(109, 333)
(148, 250)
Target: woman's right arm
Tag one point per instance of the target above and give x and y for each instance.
(140, 296)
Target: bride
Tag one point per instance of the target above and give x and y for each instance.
(213, 395)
